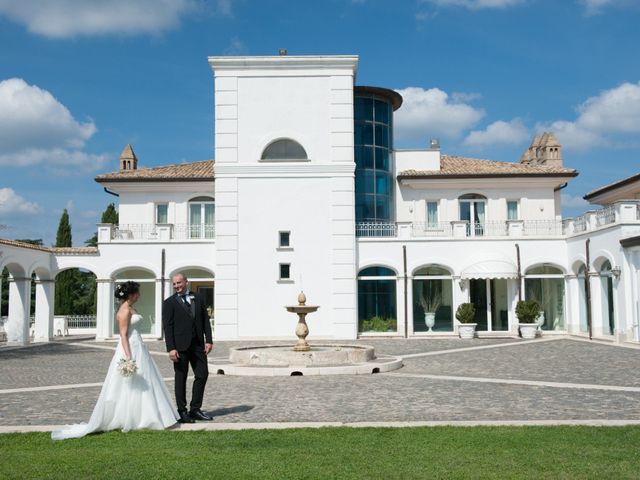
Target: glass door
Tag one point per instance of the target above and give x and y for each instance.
(478, 296)
(472, 209)
(499, 305)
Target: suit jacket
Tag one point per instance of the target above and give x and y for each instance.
(179, 320)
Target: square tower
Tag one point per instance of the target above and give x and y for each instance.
(285, 217)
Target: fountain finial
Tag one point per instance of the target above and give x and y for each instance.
(302, 298)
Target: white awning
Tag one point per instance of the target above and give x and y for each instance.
(490, 269)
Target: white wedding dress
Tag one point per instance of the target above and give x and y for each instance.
(128, 403)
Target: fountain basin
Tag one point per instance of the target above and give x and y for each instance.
(322, 359)
(279, 356)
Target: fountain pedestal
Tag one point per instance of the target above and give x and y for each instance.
(302, 330)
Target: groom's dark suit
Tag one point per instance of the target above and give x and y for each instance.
(186, 329)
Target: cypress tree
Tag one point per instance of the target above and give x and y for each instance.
(66, 291)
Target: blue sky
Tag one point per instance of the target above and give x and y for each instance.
(81, 79)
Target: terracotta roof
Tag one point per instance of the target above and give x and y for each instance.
(452, 166)
(74, 250)
(56, 250)
(30, 246)
(612, 186)
(192, 171)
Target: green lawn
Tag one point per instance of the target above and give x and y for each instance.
(386, 453)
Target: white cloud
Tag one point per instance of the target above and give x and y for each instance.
(602, 120)
(594, 7)
(13, 204)
(432, 113)
(35, 128)
(236, 47)
(569, 201)
(498, 133)
(475, 4)
(69, 18)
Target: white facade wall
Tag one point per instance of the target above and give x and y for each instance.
(536, 200)
(137, 201)
(258, 101)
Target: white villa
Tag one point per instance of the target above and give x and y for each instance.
(307, 192)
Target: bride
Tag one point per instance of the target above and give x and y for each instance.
(140, 400)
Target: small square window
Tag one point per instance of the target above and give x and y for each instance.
(284, 239)
(285, 271)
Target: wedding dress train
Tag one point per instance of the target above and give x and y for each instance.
(128, 403)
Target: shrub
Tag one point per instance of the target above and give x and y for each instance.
(466, 313)
(378, 324)
(527, 311)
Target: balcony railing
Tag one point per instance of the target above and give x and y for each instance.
(439, 229)
(626, 211)
(149, 232)
(376, 229)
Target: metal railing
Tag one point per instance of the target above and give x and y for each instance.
(535, 228)
(150, 232)
(376, 229)
(439, 229)
(81, 321)
(606, 215)
(493, 228)
(183, 231)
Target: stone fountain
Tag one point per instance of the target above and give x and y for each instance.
(305, 359)
(302, 330)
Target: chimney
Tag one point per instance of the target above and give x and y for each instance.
(544, 150)
(128, 159)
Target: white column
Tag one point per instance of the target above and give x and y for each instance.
(157, 328)
(45, 301)
(104, 309)
(17, 326)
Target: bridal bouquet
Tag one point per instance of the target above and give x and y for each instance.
(127, 367)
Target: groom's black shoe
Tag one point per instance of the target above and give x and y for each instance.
(185, 418)
(199, 415)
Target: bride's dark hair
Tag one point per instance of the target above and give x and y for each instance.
(126, 289)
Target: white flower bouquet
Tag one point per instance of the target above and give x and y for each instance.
(127, 367)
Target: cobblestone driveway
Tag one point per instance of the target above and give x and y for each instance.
(442, 380)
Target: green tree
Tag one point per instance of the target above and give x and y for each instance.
(110, 215)
(66, 281)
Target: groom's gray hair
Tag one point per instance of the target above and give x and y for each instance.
(179, 274)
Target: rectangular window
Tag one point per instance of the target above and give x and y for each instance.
(512, 210)
(162, 213)
(432, 214)
(285, 271)
(284, 239)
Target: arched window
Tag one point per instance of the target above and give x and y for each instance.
(432, 300)
(377, 300)
(472, 209)
(606, 294)
(202, 217)
(545, 284)
(284, 149)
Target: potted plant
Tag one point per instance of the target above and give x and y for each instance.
(528, 312)
(465, 314)
(430, 304)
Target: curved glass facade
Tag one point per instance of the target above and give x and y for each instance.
(373, 117)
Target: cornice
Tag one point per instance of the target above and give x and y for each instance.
(284, 62)
(286, 170)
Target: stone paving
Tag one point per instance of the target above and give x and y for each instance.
(442, 380)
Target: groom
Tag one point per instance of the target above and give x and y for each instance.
(187, 333)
